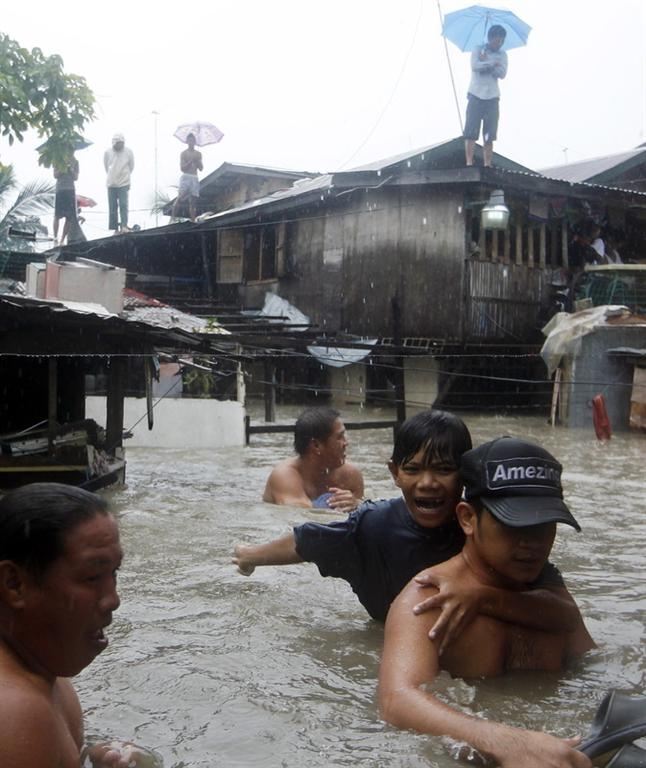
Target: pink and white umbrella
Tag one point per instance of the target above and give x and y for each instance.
(205, 133)
(85, 202)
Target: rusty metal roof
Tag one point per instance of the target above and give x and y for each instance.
(33, 326)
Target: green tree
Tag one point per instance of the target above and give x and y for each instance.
(36, 93)
(22, 212)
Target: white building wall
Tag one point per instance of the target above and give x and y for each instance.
(348, 385)
(178, 423)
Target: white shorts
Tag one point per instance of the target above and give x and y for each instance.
(189, 186)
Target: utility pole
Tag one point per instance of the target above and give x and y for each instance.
(156, 116)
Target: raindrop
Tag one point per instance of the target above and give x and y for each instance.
(424, 220)
(408, 163)
(372, 285)
(364, 299)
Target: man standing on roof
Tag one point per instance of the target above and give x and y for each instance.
(65, 199)
(190, 162)
(119, 162)
(488, 65)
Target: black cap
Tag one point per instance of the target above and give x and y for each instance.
(517, 481)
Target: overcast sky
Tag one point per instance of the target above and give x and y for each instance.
(322, 86)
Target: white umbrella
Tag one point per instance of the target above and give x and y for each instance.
(205, 133)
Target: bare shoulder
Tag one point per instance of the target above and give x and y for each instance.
(350, 469)
(285, 471)
(348, 475)
(34, 730)
(401, 609)
(284, 478)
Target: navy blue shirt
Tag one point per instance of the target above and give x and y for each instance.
(379, 548)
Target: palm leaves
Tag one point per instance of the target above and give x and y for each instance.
(32, 200)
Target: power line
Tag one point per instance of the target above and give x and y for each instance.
(393, 91)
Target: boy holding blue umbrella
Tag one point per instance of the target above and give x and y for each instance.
(488, 65)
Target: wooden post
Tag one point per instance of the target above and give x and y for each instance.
(530, 245)
(554, 244)
(241, 389)
(270, 390)
(519, 243)
(400, 382)
(205, 265)
(564, 244)
(494, 245)
(506, 257)
(482, 243)
(542, 252)
(114, 403)
(556, 391)
(247, 431)
(52, 402)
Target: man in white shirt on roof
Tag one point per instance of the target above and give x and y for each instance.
(119, 162)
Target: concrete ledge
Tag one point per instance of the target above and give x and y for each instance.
(178, 422)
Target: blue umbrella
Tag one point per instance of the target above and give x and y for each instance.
(468, 27)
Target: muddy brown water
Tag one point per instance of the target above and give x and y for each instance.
(210, 668)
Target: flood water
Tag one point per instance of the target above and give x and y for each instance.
(210, 668)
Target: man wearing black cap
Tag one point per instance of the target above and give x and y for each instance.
(513, 501)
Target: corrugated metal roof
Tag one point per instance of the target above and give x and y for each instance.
(586, 170)
(303, 187)
(380, 165)
(432, 153)
(584, 184)
(255, 170)
(103, 332)
(324, 184)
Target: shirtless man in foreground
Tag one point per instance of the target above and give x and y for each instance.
(318, 476)
(59, 554)
(513, 500)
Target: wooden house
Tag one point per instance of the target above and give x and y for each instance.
(395, 250)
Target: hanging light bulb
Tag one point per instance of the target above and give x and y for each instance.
(495, 214)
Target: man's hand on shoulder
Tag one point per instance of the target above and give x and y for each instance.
(457, 598)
